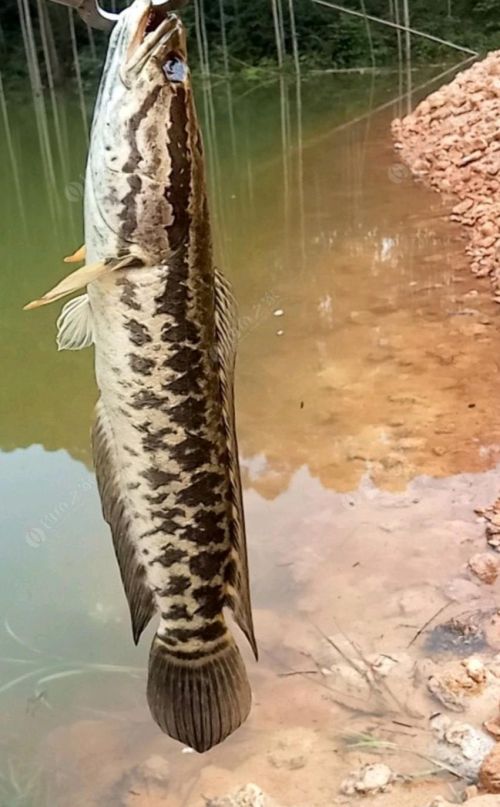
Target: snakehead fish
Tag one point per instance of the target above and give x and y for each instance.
(164, 326)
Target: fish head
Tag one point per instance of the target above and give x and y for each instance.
(145, 168)
(156, 53)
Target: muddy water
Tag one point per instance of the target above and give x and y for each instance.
(366, 392)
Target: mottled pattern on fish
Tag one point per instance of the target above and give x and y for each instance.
(164, 444)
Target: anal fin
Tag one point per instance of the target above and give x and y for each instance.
(114, 507)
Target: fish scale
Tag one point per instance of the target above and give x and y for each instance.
(164, 325)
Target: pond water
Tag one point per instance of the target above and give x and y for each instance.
(366, 400)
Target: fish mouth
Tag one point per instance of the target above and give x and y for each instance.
(156, 26)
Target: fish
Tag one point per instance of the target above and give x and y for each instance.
(164, 325)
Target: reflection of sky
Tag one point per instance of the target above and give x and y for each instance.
(60, 587)
(57, 557)
(387, 247)
(39, 486)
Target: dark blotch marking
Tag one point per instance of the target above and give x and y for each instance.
(172, 301)
(185, 385)
(177, 584)
(179, 187)
(177, 612)
(203, 490)
(157, 498)
(190, 655)
(129, 210)
(180, 332)
(208, 564)
(211, 600)
(193, 452)
(169, 526)
(208, 527)
(184, 360)
(189, 413)
(139, 334)
(134, 123)
(128, 213)
(169, 556)
(155, 440)
(207, 633)
(127, 296)
(157, 478)
(147, 399)
(140, 364)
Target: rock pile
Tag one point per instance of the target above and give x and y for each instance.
(452, 143)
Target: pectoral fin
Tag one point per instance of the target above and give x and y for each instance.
(77, 256)
(77, 280)
(75, 328)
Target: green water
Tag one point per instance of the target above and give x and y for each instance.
(312, 217)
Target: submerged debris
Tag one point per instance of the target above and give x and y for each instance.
(451, 683)
(492, 630)
(489, 776)
(154, 769)
(452, 143)
(291, 749)
(370, 778)
(492, 517)
(492, 725)
(249, 796)
(485, 566)
(462, 635)
(460, 746)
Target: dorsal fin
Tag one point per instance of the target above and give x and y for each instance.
(226, 322)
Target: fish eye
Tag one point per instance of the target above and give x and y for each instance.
(175, 68)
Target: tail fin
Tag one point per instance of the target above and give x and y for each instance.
(198, 701)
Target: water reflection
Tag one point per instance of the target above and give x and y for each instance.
(72, 686)
(352, 254)
(366, 386)
(56, 551)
